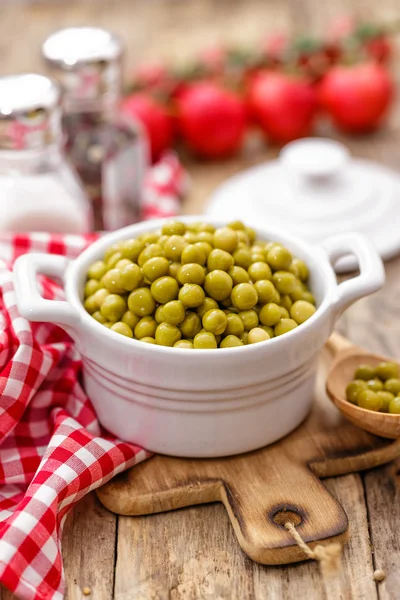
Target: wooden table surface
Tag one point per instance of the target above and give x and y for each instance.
(192, 554)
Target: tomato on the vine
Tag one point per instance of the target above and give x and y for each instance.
(155, 118)
(212, 120)
(357, 97)
(284, 106)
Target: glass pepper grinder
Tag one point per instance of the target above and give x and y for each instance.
(109, 152)
(39, 190)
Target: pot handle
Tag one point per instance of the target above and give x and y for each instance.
(372, 272)
(31, 304)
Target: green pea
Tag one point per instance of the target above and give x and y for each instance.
(266, 291)
(387, 370)
(301, 311)
(131, 277)
(218, 285)
(99, 317)
(353, 390)
(259, 270)
(205, 236)
(299, 269)
(184, 344)
(92, 285)
(191, 325)
(130, 319)
(112, 250)
(393, 386)
(370, 400)
(394, 406)
(100, 296)
(174, 269)
(164, 289)
(386, 398)
(215, 320)
(122, 328)
(148, 340)
(243, 257)
(155, 267)
(150, 238)
(238, 275)
(308, 297)
(269, 330)
(173, 228)
(193, 254)
(150, 251)
(284, 313)
(236, 225)
(112, 280)
(131, 249)
(173, 248)
(159, 315)
(90, 304)
(243, 238)
(279, 258)
(141, 302)
(114, 259)
(226, 239)
(365, 372)
(208, 304)
(219, 259)
(205, 340)
(191, 273)
(284, 282)
(174, 312)
(287, 303)
(191, 295)
(204, 227)
(284, 326)
(204, 246)
(124, 262)
(167, 335)
(375, 385)
(244, 296)
(97, 270)
(146, 327)
(234, 325)
(270, 314)
(113, 307)
(257, 335)
(190, 237)
(231, 341)
(251, 234)
(249, 319)
(244, 338)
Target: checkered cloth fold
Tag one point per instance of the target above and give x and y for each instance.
(52, 448)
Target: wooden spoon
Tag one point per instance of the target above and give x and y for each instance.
(347, 358)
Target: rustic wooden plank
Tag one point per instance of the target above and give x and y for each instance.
(89, 550)
(182, 555)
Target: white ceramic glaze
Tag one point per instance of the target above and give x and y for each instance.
(322, 191)
(199, 403)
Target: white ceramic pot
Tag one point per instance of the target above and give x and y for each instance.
(199, 403)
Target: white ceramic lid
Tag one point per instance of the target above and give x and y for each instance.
(315, 190)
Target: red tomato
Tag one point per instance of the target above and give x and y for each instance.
(158, 124)
(211, 119)
(284, 106)
(358, 97)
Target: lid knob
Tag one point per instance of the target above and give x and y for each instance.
(316, 158)
(86, 61)
(30, 112)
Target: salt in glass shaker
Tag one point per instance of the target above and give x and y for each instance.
(109, 152)
(39, 190)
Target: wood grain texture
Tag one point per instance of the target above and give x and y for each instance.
(258, 486)
(175, 29)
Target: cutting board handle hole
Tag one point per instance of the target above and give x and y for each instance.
(283, 516)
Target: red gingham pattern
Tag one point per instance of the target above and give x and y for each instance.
(52, 448)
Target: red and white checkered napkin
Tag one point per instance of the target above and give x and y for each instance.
(52, 448)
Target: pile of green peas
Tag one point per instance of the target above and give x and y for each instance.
(376, 388)
(195, 286)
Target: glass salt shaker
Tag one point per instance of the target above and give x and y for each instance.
(109, 152)
(39, 190)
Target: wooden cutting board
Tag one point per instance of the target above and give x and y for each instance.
(263, 489)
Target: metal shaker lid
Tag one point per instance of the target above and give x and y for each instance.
(30, 112)
(86, 61)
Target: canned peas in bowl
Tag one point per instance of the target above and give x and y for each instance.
(143, 301)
